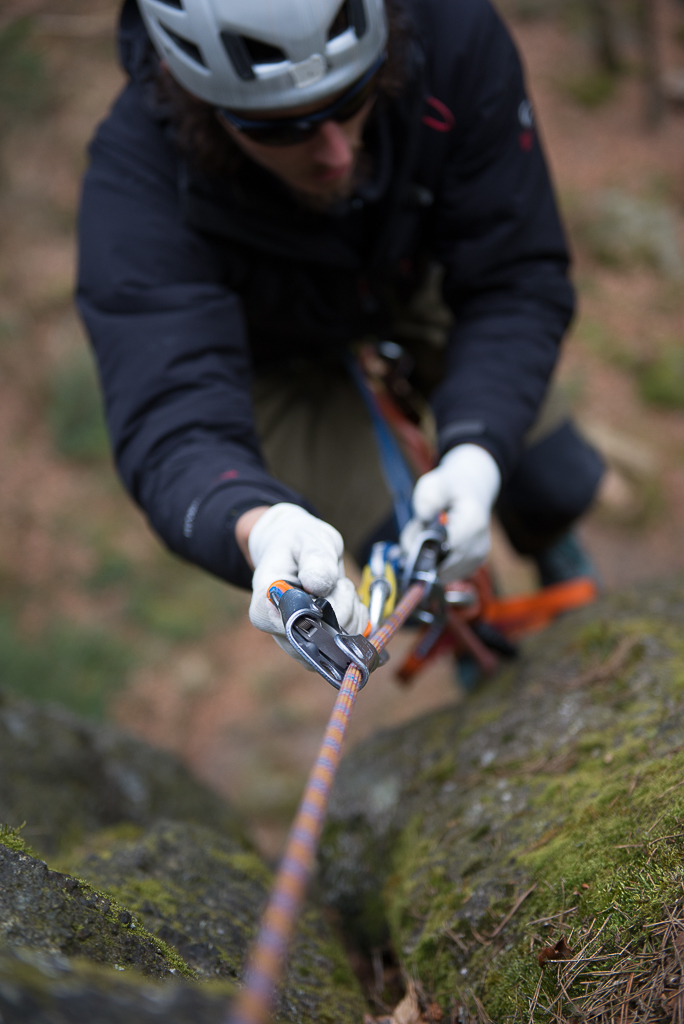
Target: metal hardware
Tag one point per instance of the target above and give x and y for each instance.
(312, 628)
(461, 595)
(429, 548)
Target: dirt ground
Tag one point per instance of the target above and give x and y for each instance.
(95, 615)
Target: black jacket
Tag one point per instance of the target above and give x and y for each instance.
(187, 283)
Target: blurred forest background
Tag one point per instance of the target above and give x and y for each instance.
(94, 615)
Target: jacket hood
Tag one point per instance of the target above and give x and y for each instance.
(136, 52)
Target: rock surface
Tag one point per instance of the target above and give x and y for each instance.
(37, 988)
(67, 777)
(137, 893)
(560, 779)
(203, 894)
(51, 911)
(489, 844)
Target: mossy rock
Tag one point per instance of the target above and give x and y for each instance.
(177, 900)
(561, 778)
(203, 895)
(53, 912)
(43, 988)
(66, 777)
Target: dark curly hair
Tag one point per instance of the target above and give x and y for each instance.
(208, 146)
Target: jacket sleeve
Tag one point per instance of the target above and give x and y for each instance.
(171, 349)
(498, 235)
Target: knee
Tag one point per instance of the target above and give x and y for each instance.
(555, 480)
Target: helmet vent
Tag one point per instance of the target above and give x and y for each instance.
(263, 53)
(341, 22)
(239, 55)
(350, 15)
(190, 49)
(245, 53)
(177, 4)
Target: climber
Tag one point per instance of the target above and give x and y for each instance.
(276, 184)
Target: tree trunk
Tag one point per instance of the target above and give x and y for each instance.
(605, 36)
(654, 108)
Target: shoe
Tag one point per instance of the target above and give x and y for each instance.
(565, 560)
(468, 672)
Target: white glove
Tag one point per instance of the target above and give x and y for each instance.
(287, 543)
(465, 486)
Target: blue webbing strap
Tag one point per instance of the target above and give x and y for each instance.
(397, 475)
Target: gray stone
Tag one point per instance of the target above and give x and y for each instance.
(40, 988)
(50, 911)
(561, 773)
(66, 777)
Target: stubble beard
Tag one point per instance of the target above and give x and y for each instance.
(337, 191)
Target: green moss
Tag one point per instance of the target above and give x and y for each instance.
(247, 864)
(203, 895)
(117, 912)
(479, 721)
(62, 913)
(610, 862)
(323, 962)
(598, 638)
(161, 899)
(12, 839)
(100, 842)
(422, 900)
(570, 817)
(439, 771)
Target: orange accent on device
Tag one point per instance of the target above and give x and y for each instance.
(276, 591)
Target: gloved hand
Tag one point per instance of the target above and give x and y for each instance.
(465, 486)
(287, 543)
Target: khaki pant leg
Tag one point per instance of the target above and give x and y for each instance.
(317, 437)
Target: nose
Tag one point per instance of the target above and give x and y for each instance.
(332, 148)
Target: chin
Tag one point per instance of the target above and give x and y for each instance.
(322, 194)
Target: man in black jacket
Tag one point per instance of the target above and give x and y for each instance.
(278, 182)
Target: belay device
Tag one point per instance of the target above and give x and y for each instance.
(312, 628)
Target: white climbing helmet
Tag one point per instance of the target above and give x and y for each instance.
(266, 54)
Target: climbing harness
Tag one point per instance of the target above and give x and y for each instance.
(253, 1004)
(467, 619)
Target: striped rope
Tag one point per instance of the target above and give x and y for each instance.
(253, 1004)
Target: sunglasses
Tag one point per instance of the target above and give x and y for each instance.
(290, 131)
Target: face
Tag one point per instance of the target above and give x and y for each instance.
(321, 169)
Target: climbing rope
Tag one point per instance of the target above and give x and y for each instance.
(265, 966)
